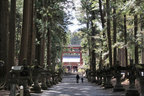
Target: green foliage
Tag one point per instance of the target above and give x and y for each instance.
(19, 19)
(51, 16)
(128, 8)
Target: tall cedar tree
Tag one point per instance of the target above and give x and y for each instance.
(4, 35)
(11, 51)
(125, 36)
(31, 37)
(135, 35)
(25, 30)
(109, 31)
(93, 54)
(103, 25)
(114, 31)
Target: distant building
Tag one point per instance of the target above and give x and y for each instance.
(72, 58)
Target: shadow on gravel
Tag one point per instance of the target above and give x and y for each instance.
(69, 87)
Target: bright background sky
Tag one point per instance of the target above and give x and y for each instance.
(76, 24)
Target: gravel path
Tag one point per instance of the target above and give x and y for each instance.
(69, 87)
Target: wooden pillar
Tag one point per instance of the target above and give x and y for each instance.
(80, 58)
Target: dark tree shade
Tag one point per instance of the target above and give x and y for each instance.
(4, 34)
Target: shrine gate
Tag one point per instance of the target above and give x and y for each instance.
(72, 58)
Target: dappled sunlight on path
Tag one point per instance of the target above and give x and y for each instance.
(69, 87)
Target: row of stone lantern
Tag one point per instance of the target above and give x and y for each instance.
(104, 75)
(33, 76)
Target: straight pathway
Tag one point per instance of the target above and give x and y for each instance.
(69, 87)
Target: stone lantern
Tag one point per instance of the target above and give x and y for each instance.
(117, 75)
(132, 76)
(24, 77)
(14, 77)
(36, 75)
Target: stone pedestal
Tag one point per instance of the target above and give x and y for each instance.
(132, 76)
(36, 75)
(13, 87)
(141, 81)
(36, 88)
(107, 75)
(104, 80)
(24, 77)
(132, 92)
(44, 85)
(100, 80)
(118, 87)
(25, 85)
(59, 79)
(53, 80)
(108, 83)
(88, 75)
(93, 77)
(48, 82)
(97, 79)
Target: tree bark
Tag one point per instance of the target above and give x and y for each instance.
(49, 47)
(103, 25)
(42, 48)
(43, 43)
(93, 54)
(135, 35)
(25, 30)
(125, 36)
(4, 35)
(31, 37)
(37, 51)
(11, 51)
(114, 33)
(142, 50)
(109, 32)
(38, 37)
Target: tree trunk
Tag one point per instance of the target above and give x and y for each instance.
(135, 35)
(11, 51)
(4, 36)
(142, 24)
(42, 49)
(37, 51)
(49, 47)
(38, 37)
(25, 30)
(125, 36)
(114, 33)
(103, 25)
(31, 38)
(43, 39)
(101, 13)
(109, 32)
(89, 40)
(93, 54)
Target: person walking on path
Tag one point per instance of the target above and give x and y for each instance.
(82, 78)
(77, 78)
